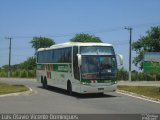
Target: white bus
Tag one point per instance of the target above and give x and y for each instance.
(78, 67)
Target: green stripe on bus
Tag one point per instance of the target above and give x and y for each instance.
(61, 68)
(40, 67)
(54, 67)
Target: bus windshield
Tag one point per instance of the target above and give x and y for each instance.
(98, 62)
(98, 67)
(97, 50)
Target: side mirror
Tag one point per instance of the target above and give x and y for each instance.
(79, 59)
(120, 57)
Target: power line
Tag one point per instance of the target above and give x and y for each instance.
(91, 31)
(16, 55)
(19, 48)
(72, 34)
(145, 25)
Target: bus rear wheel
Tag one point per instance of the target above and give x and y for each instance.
(69, 88)
(101, 94)
(45, 86)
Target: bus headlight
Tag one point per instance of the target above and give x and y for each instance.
(84, 83)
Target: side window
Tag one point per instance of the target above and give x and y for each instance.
(67, 55)
(56, 56)
(53, 57)
(62, 56)
(40, 57)
(45, 56)
(49, 56)
(37, 57)
(75, 63)
(60, 52)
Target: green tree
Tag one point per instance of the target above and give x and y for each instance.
(148, 43)
(29, 64)
(5, 67)
(82, 37)
(41, 42)
(122, 74)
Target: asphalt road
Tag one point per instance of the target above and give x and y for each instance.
(56, 100)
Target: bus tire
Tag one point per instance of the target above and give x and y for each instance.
(69, 88)
(42, 80)
(101, 94)
(45, 86)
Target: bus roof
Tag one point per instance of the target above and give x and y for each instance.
(70, 44)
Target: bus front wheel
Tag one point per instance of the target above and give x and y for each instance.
(69, 88)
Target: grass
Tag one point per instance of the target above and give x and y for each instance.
(7, 88)
(149, 91)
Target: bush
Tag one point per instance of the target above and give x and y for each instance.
(16, 73)
(23, 74)
(3, 73)
(138, 76)
(31, 73)
(19, 73)
(158, 76)
(122, 74)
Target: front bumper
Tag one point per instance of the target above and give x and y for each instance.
(97, 88)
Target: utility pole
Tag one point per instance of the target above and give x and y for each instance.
(130, 53)
(9, 64)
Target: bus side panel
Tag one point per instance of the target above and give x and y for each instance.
(60, 74)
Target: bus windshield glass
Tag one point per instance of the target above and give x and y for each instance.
(98, 63)
(97, 50)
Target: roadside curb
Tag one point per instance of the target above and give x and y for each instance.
(29, 92)
(142, 97)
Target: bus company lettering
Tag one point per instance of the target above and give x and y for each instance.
(62, 68)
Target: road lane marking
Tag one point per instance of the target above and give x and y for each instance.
(138, 96)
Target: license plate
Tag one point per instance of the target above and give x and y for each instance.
(100, 88)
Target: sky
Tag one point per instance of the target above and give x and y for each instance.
(62, 19)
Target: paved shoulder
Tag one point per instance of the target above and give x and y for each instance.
(140, 83)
